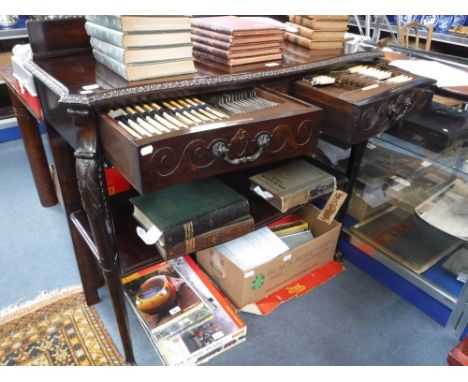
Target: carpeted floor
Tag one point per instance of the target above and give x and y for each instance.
(352, 320)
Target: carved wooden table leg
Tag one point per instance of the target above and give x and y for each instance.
(65, 166)
(35, 151)
(93, 190)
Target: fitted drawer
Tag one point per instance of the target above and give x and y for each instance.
(252, 127)
(357, 107)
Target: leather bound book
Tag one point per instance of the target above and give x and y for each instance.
(238, 40)
(182, 212)
(225, 45)
(320, 23)
(209, 239)
(234, 26)
(310, 44)
(228, 54)
(318, 35)
(203, 56)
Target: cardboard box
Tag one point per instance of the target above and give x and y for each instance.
(246, 287)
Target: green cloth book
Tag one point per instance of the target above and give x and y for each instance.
(181, 212)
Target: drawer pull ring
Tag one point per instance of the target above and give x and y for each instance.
(221, 150)
(398, 111)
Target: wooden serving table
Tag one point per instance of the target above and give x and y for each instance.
(84, 139)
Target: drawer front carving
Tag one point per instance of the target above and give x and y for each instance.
(357, 106)
(287, 129)
(236, 148)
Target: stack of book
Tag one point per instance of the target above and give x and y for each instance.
(317, 32)
(186, 318)
(192, 216)
(142, 47)
(232, 41)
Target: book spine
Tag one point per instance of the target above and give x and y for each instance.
(186, 232)
(110, 63)
(212, 35)
(108, 49)
(104, 34)
(207, 26)
(109, 21)
(298, 40)
(319, 35)
(211, 238)
(300, 20)
(211, 50)
(203, 56)
(208, 41)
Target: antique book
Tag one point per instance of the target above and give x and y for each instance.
(312, 44)
(327, 17)
(293, 184)
(144, 71)
(228, 54)
(179, 213)
(406, 238)
(141, 23)
(136, 40)
(206, 340)
(226, 45)
(234, 26)
(320, 23)
(318, 35)
(208, 239)
(203, 56)
(237, 40)
(164, 302)
(132, 55)
(447, 210)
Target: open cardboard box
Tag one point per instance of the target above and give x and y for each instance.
(246, 287)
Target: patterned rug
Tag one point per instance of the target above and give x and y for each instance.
(56, 329)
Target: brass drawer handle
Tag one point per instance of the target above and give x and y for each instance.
(221, 150)
(398, 110)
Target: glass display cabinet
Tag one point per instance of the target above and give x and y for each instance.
(407, 221)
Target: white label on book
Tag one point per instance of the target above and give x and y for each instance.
(425, 163)
(287, 257)
(146, 150)
(150, 237)
(90, 87)
(271, 64)
(174, 310)
(248, 274)
(264, 194)
(217, 335)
